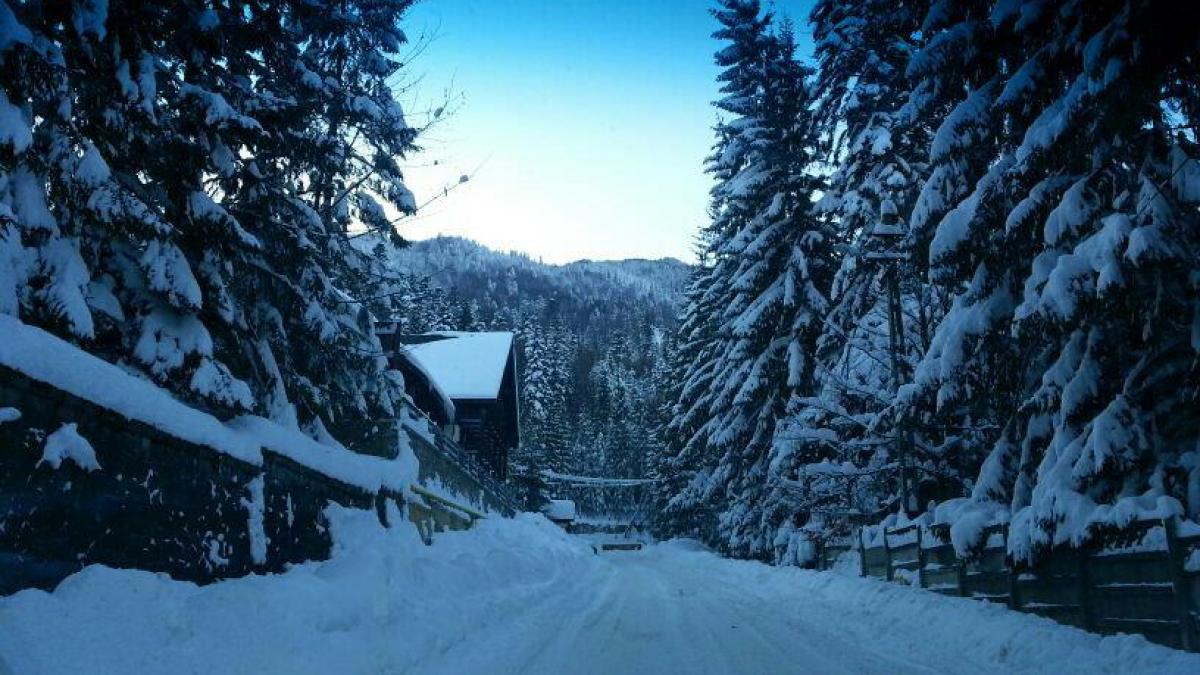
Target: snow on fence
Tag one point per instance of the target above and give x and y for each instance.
(170, 496)
(1151, 588)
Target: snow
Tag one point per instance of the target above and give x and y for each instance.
(364, 471)
(560, 509)
(11, 30)
(9, 415)
(255, 510)
(46, 358)
(90, 16)
(465, 365)
(14, 130)
(66, 444)
(168, 272)
(521, 596)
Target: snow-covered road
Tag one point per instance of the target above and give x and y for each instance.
(671, 610)
(519, 596)
(675, 608)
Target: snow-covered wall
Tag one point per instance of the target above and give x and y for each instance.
(128, 494)
(100, 465)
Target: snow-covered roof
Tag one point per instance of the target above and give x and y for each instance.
(443, 398)
(464, 365)
(560, 509)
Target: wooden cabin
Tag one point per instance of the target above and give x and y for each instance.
(466, 383)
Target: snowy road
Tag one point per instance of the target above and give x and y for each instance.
(669, 610)
(675, 609)
(519, 596)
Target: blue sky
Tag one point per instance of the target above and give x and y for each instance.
(588, 122)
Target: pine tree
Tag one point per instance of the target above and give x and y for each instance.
(757, 307)
(1059, 221)
(836, 445)
(185, 201)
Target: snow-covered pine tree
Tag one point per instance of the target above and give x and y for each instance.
(686, 501)
(1103, 211)
(1073, 259)
(183, 201)
(682, 468)
(834, 451)
(785, 261)
(756, 309)
(545, 365)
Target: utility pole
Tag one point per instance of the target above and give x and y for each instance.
(888, 232)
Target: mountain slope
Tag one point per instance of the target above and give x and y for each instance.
(590, 346)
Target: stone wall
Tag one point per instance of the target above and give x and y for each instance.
(164, 504)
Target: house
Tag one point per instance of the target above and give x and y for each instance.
(466, 383)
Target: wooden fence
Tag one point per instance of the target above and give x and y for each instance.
(1140, 590)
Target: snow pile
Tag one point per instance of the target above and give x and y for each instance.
(9, 415)
(255, 515)
(385, 602)
(67, 444)
(46, 358)
(971, 636)
(560, 509)
(520, 596)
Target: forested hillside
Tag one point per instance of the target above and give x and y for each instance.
(591, 339)
(953, 272)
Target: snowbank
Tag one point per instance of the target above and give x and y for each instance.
(918, 627)
(560, 509)
(384, 603)
(520, 596)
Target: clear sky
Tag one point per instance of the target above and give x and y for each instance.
(585, 123)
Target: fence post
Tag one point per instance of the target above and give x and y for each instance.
(862, 554)
(887, 556)
(1183, 596)
(920, 559)
(1083, 589)
(1014, 598)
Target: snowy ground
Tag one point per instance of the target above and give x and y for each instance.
(521, 597)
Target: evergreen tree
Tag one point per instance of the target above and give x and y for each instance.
(1073, 251)
(758, 307)
(183, 203)
(835, 453)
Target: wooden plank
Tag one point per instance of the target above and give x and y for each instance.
(1134, 602)
(942, 577)
(987, 583)
(1142, 568)
(622, 546)
(1046, 592)
(1065, 614)
(473, 513)
(943, 555)
(905, 553)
